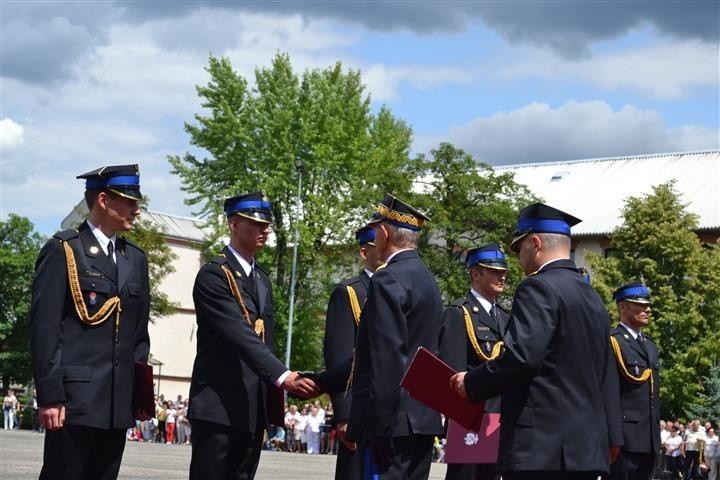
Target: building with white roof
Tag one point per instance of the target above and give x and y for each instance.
(595, 190)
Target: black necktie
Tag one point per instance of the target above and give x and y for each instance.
(493, 315)
(251, 278)
(641, 341)
(110, 249)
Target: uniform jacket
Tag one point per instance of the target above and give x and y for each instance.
(455, 347)
(89, 368)
(233, 368)
(340, 333)
(559, 387)
(640, 411)
(403, 312)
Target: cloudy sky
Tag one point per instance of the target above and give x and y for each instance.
(86, 84)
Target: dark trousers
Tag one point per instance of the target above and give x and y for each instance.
(692, 460)
(537, 475)
(349, 463)
(223, 453)
(82, 453)
(633, 466)
(411, 461)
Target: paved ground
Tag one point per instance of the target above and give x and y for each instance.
(21, 458)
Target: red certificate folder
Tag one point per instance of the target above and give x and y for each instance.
(427, 380)
(467, 446)
(143, 403)
(275, 404)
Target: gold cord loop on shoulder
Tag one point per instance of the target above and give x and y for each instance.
(111, 304)
(645, 376)
(259, 326)
(497, 348)
(354, 305)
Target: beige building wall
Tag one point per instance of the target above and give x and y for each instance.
(172, 338)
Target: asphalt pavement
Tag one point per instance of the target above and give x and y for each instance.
(21, 459)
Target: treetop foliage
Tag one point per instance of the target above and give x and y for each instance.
(657, 242)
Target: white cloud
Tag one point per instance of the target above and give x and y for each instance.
(384, 82)
(668, 72)
(575, 130)
(11, 134)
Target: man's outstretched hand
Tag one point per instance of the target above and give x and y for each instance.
(300, 385)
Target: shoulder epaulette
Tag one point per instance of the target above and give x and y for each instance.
(350, 281)
(220, 259)
(459, 302)
(66, 235)
(617, 331)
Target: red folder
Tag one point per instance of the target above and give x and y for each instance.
(143, 403)
(427, 380)
(275, 404)
(468, 446)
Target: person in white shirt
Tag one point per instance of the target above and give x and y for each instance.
(300, 425)
(312, 430)
(712, 454)
(673, 449)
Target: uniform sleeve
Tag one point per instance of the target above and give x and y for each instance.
(611, 397)
(49, 293)
(387, 336)
(531, 328)
(338, 349)
(452, 346)
(142, 337)
(215, 304)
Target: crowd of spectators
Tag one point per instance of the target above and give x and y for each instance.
(688, 452)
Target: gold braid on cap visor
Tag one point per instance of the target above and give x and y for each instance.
(399, 217)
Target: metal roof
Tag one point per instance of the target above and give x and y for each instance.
(595, 190)
(173, 226)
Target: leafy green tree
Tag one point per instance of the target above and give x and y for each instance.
(707, 406)
(657, 242)
(19, 246)
(319, 125)
(469, 205)
(151, 239)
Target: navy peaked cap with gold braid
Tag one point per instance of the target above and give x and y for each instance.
(490, 256)
(365, 235)
(254, 206)
(395, 211)
(634, 292)
(123, 180)
(541, 218)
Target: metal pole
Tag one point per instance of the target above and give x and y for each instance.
(291, 310)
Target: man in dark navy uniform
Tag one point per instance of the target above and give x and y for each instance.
(559, 386)
(341, 323)
(88, 327)
(236, 374)
(638, 367)
(403, 312)
(472, 333)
